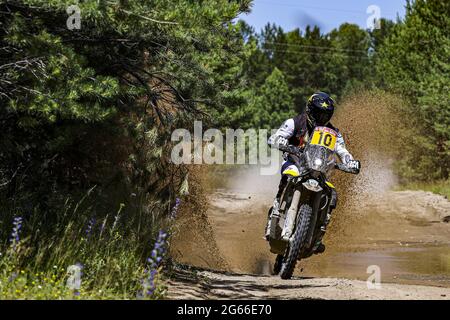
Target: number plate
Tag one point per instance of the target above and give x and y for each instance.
(324, 137)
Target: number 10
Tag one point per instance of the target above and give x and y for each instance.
(326, 141)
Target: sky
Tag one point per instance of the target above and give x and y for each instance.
(327, 14)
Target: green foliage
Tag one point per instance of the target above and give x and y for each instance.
(109, 251)
(96, 106)
(414, 62)
(93, 109)
(351, 62)
(378, 36)
(296, 64)
(273, 103)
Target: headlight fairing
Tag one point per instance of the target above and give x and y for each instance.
(318, 158)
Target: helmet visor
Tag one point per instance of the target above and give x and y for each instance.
(321, 117)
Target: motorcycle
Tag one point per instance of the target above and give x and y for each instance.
(306, 201)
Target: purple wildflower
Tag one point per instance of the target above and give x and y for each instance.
(151, 280)
(12, 277)
(154, 262)
(90, 227)
(15, 234)
(173, 213)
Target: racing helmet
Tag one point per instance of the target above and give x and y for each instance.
(320, 108)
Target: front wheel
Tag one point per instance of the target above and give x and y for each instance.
(278, 263)
(297, 242)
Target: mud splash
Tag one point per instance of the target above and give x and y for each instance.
(366, 121)
(193, 240)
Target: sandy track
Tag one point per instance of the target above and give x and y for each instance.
(215, 285)
(401, 232)
(398, 221)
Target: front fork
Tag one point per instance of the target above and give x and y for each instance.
(307, 192)
(290, 216)
(273, 217)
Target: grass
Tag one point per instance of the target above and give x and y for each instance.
(441, 187)
(79, 257)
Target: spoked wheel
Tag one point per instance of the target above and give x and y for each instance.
(277, 265)
(297, 242)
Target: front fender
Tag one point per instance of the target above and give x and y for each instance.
(312, 185)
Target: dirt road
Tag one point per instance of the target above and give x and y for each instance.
(401, 232)
(216, 285)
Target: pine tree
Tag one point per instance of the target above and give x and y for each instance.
(96, 105)
(273, 102)
(414, 62)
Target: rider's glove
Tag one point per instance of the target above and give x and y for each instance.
(354, 165)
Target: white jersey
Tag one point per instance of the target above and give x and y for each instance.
(286, 131)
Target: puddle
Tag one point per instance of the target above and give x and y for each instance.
(412, 265)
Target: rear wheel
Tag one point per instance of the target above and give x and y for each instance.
(297, 242)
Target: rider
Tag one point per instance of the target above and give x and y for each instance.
(294, 132)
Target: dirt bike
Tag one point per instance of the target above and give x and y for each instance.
(306, 201)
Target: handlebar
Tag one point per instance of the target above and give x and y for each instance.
(340, 166)
(291, 149)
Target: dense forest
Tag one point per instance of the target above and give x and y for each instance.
(86, 117)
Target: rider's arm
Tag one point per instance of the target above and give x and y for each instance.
(280, 138)
(341, 150)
